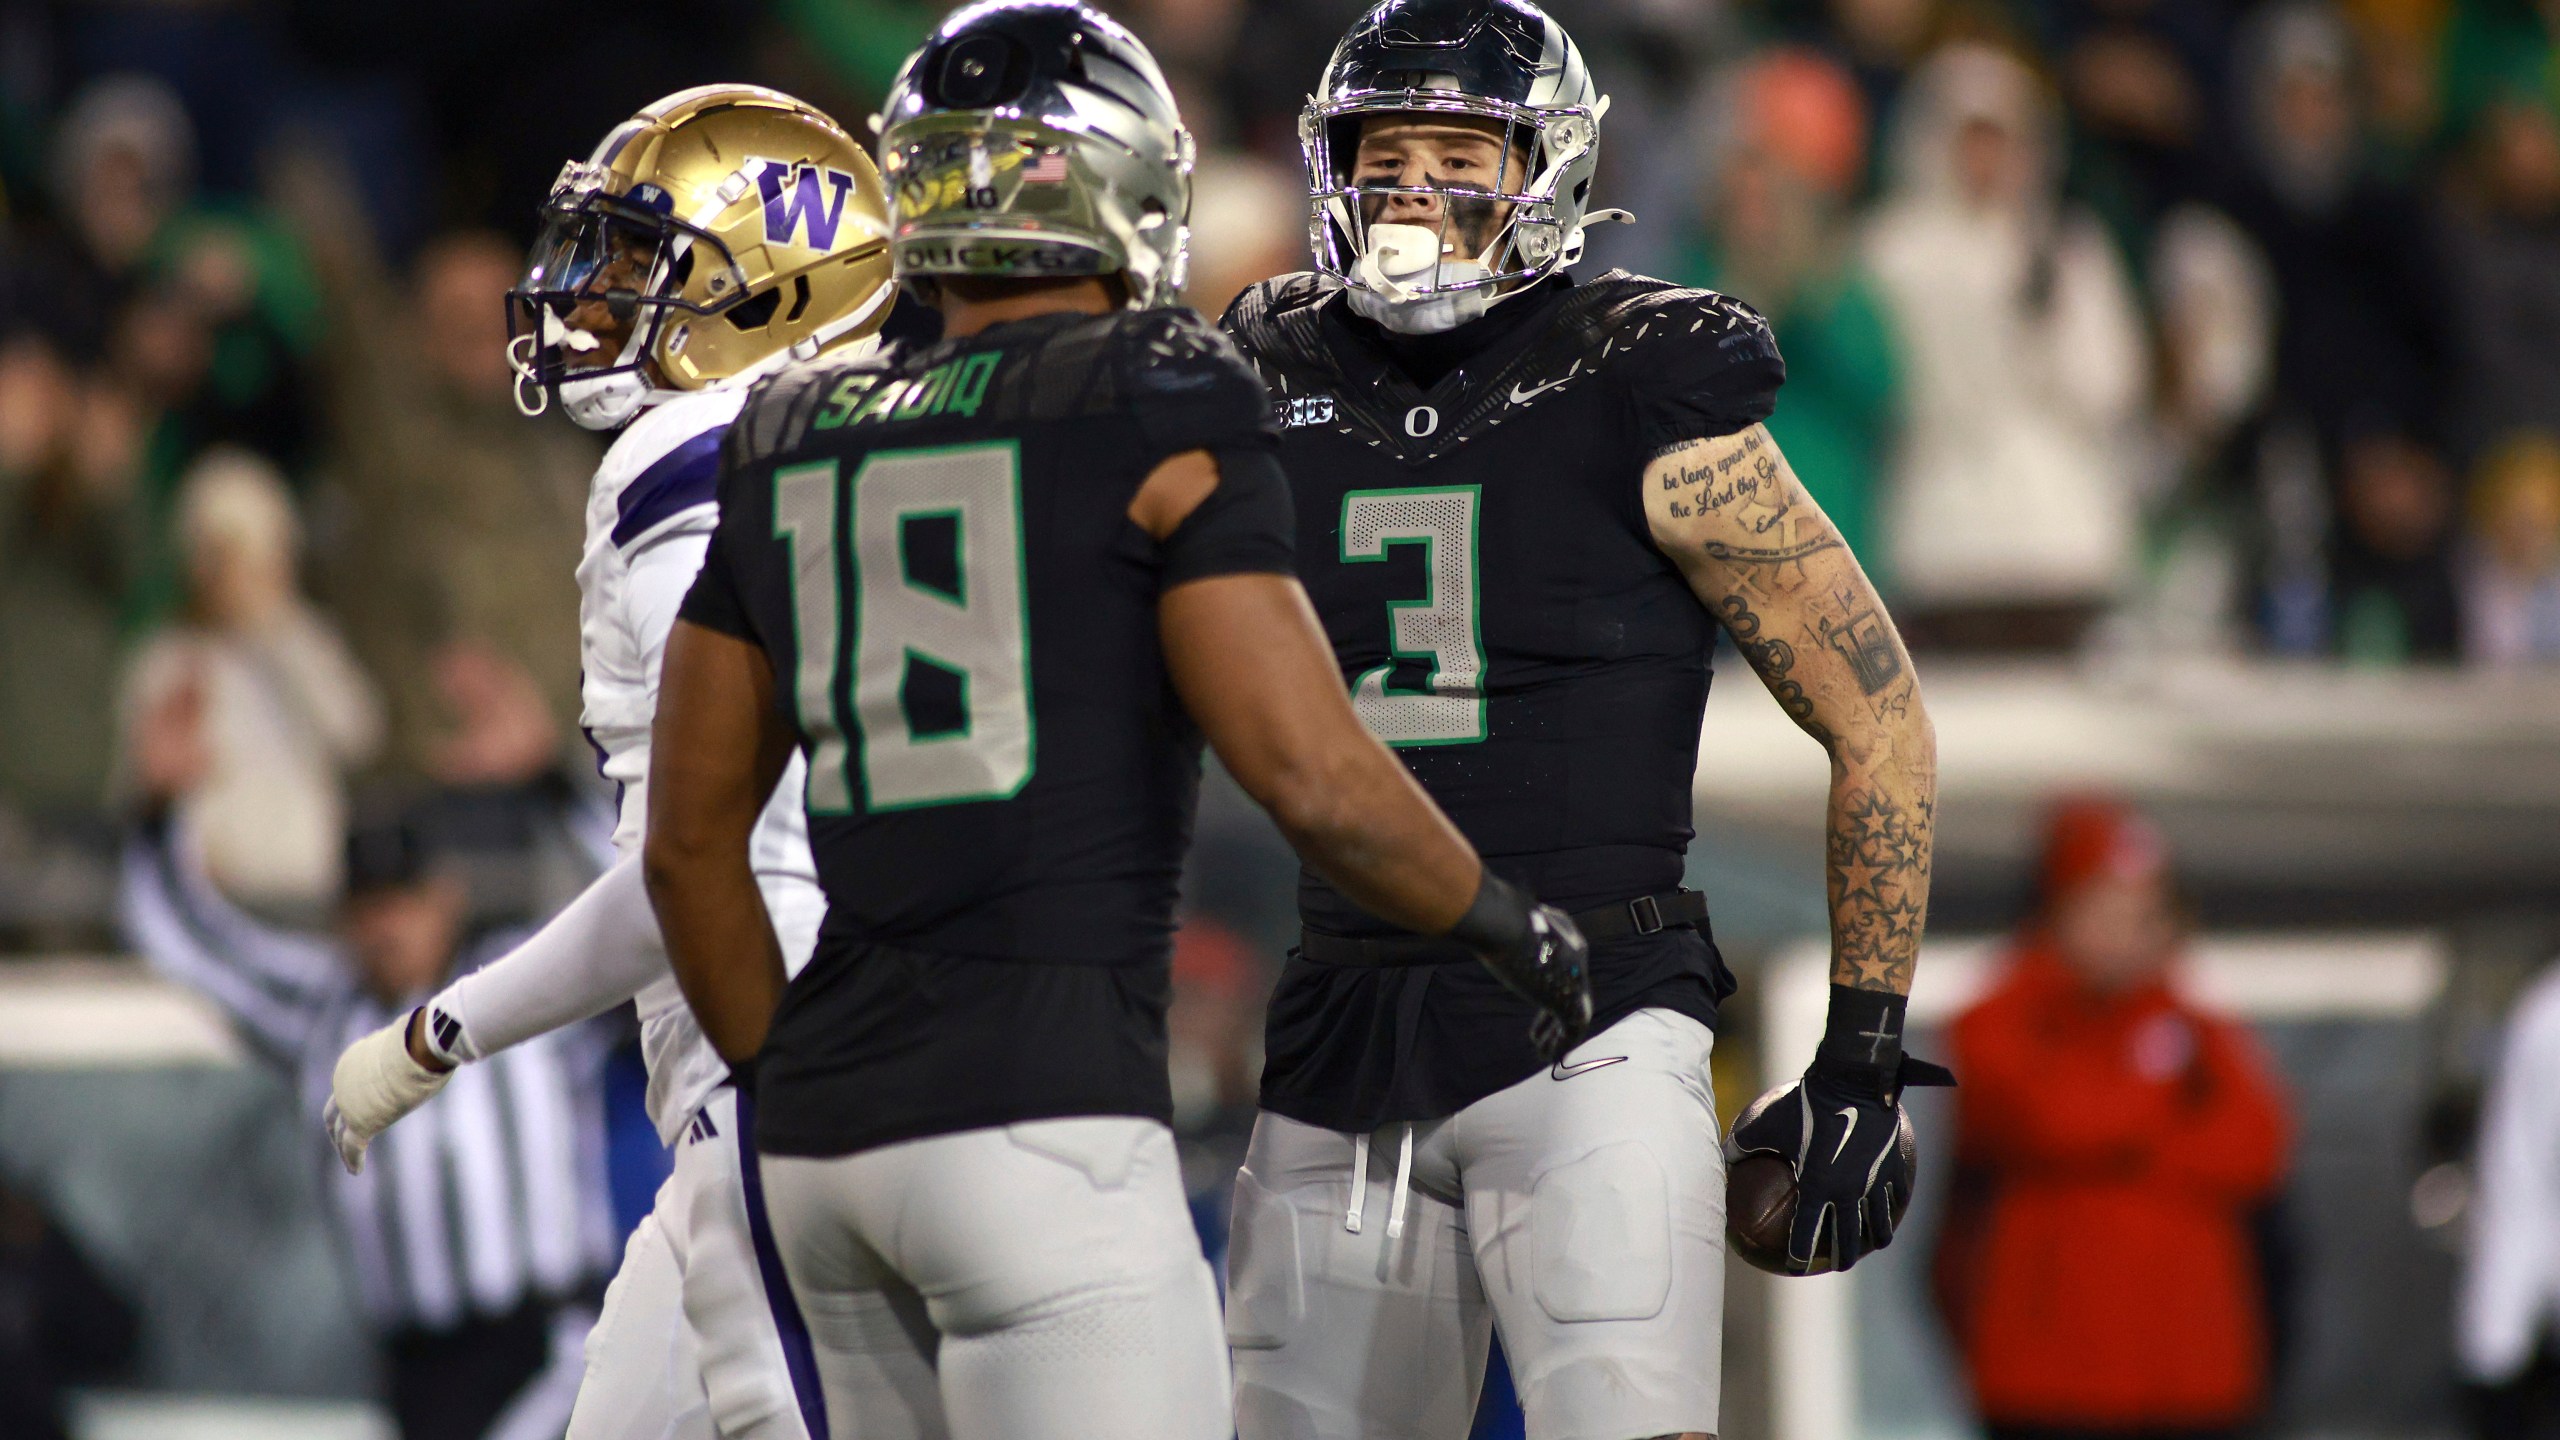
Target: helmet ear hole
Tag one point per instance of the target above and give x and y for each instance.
(799, 299)
(756, 313)
(985, 69)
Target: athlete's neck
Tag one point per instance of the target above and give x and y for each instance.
(1427, 359)
(970, 304)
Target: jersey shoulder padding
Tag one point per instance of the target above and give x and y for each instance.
(1275, 319)
(1187, 384)
(1695, 363)
(664, 465)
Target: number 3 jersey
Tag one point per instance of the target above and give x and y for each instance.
(1471, 527)
(934, 550)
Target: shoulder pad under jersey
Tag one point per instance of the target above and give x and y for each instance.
(1692, 363)
(780, 406)
(666, 463)
(1183, 382)
(1187, 384)
(1696, 363)
(1274, 320)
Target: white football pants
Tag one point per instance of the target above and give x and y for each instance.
(1580, 1212)
(1037, 1281)
(698, 1337)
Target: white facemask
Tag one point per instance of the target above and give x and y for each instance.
(1387, 284)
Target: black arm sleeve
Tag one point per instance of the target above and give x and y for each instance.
(1707, 365)
(1246, 526)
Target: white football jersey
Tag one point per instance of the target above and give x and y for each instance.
(649, 519)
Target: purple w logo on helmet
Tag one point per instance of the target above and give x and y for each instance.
(797, 193)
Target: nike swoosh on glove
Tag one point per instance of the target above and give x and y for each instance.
(375, 1083)
(1850, 1144)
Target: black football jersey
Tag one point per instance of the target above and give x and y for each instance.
(933, 549)
(1478, 550)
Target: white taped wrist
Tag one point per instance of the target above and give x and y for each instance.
(377, 1081)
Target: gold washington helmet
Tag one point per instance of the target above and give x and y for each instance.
(716, 236)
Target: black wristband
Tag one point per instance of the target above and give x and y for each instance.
(1864, 1034)
(1497, 923)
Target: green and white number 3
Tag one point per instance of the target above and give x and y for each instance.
(1444, 628)
(975, 630)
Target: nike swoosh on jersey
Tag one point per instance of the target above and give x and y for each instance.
(1850, 1114)
(1567, 1072)
(1522, 397)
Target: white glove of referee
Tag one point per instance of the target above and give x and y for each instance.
(377, 1081)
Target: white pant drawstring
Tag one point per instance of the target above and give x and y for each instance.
(1359, 1183)
(1404, 1187)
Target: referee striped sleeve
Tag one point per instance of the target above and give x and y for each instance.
(277, 987)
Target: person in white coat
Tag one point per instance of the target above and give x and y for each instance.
(2011, 517)
(2510, 1295)
(288, 712)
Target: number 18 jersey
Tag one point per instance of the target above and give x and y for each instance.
(934, 550)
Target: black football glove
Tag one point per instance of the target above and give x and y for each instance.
(1538, 952)
(1843, 1130)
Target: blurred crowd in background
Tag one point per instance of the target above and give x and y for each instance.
(2149, 326)
(2114, 328)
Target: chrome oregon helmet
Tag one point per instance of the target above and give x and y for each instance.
(1504, 61)
(1037, 138)
(730, 229)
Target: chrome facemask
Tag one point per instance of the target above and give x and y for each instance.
(1413, 278)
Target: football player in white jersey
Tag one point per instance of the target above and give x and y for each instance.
(715, 237)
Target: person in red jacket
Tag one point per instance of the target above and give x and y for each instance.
(2113, 1143)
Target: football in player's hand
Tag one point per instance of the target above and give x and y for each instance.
(1759, 1210)
(1760, 1195)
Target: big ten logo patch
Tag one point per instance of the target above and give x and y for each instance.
(1306, 410)
(806, 204)
(957, 387)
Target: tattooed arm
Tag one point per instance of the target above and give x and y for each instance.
(1765, 559)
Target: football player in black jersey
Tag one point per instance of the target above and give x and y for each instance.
(1525, 507)
(996, 589)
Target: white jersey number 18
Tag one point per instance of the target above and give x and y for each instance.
(975, 630)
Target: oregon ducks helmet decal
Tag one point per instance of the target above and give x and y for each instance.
(714, 237)
(1033, 138)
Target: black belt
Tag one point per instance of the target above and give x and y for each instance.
(1626, 919)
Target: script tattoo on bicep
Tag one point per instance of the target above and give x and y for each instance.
(1739, 483)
